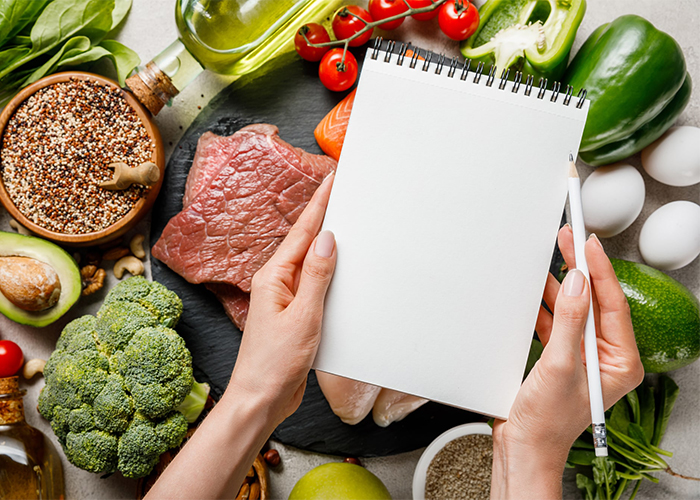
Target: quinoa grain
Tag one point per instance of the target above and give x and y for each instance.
(56, 149)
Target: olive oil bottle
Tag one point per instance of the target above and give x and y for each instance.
(230, 37)
(30, 467)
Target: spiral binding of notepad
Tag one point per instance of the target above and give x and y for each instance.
(465, 68)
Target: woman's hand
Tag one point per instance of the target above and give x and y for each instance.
(283, 329)
(552, 408)
(279, 344)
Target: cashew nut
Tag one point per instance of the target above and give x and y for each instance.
(20, 228)
(130, 264)
(136, 246)
(32, 367)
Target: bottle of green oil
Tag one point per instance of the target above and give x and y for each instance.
(230, 37)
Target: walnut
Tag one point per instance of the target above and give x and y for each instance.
(93, 279)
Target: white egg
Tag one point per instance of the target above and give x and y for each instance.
(612, 199)
(670, 237)
(674, 158)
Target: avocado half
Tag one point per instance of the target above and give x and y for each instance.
(17, 245)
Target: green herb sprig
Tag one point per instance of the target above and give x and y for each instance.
(635, 426)
(39, 37)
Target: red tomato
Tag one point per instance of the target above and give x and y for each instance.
(381, 9)
(345, 24)
(425, 16)
(335, 76)
(315, 33)
(458, 19)
(11, 358)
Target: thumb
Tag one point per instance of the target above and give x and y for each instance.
(317, 271)
(570, 314)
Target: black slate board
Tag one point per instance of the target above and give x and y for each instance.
(286, 93)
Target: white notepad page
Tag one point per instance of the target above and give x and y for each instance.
(445, 208)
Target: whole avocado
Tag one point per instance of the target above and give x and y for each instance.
(665, 316)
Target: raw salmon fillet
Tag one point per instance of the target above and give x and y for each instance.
(330, 132)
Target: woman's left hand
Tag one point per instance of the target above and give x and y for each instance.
(283, 329)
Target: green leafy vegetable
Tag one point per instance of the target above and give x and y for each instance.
(635, 426)
(38, 37)
(666, 398)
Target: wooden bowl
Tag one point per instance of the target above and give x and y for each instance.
(142, 206)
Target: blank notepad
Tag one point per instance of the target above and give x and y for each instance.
(445, 207)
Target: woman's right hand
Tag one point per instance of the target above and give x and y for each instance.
(552, 408)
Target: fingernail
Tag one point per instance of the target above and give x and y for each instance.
(573, 283)
(594, 237)
(567, 225)
(325, 242)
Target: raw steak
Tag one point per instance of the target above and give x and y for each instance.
(234, 300)
(243, 194)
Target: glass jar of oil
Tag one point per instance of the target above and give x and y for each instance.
(29, 464)
(230, 37)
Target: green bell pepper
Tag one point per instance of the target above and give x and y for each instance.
(531, 36)
(636, 80)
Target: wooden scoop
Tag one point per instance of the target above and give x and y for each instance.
(146, 174)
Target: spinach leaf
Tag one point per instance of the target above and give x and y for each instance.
(647, 410)
(9, 56)
(16, 14)
(604, 475)
(121, 9)
(71, 48)
(64, 19)
(620, 416)
(124, 59)
(666, 395)
(581, 457)
(633, 401)
(587, 487)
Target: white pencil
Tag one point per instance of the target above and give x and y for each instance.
(595, 391)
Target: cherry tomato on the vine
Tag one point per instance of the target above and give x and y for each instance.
(346, 23)
(458, 19)
(381, 9)
(315, 33)
(425, 16)
(334, 75)
(11, 358)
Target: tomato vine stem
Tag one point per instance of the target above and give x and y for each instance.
(434, 4)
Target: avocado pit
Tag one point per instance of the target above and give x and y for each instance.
(28, 283)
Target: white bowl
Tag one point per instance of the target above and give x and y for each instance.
(421, 471)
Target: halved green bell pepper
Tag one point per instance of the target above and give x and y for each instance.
(532, 36)
(636, 80)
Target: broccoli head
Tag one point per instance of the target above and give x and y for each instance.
(115, 382)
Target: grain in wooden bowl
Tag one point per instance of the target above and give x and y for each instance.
(59, 137)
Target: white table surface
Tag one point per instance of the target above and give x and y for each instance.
(150, 27)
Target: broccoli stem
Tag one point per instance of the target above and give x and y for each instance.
(194, 402)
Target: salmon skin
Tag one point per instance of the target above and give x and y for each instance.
(330, 132)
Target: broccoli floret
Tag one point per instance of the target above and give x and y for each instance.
(118, 322)
(157, 370)
(145, 440)
(113, 407)
(81, 419)
(114, 382)
(94, 451)
(165, 305)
